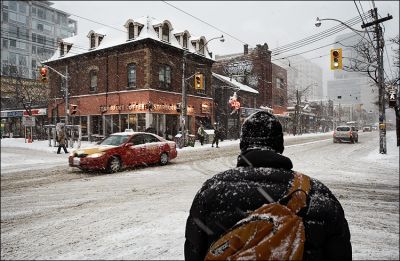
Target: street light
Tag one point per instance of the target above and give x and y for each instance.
(184, 95)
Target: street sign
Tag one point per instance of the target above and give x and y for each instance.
(28, 121)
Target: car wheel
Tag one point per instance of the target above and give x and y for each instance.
(114, 165)
(351, 141)
(164, 159)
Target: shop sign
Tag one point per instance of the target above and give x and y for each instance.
(36, 112)
(28, 121)
(140, 107)
(6, 114)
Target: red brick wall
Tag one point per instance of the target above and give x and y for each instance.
(279, 92)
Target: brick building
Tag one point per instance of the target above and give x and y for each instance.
(132, 78)
(254, 68)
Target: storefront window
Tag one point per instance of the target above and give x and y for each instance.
(115, 125)
(141, 123)
(108, 124)
(96, 124)
(132, 122)
(84, 125)
(124, 122)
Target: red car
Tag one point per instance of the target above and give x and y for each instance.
(124, 149)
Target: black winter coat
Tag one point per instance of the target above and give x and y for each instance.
(229, 196)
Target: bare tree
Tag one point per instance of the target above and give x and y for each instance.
(22, 92)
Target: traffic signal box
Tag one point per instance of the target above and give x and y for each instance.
(74, 109)
(43, 73)
(198, 81)
(336, 59)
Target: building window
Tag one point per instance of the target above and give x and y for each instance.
(139, 29)
(131, 31)
(201, 46)
(178, 38)
(185, 40)
(61, 49)
(131, 76)
(279, 83)
(100, 39)
(165, 32)
(92, 41)
(165, 77)
(93, 81)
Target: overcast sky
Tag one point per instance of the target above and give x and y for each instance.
(272, 22)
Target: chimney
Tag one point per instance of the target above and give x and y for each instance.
(246, 49)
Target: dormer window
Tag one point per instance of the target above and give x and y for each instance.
(100, 39)
(165, 32)
(185, 40)
(92, 41)
(201, 46)
(131, 31)
(64, 48)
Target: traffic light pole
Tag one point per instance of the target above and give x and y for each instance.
(183, 107)
(66, 96)
(381, 85)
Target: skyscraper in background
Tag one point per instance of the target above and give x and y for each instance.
(30, 31)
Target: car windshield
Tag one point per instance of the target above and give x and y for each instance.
(115, 140)
(343, 128)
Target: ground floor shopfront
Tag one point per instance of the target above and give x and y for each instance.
(100, 115)
(12, 123)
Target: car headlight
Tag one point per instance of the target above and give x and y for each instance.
(96, 155)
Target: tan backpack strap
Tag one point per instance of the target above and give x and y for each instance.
(298, 192)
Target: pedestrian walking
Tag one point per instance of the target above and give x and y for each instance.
(217, 135)
(201, 134)
(263, 176)
(61, 140)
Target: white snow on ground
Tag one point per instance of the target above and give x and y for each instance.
(126, 215)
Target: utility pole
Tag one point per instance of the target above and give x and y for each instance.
(66, 96)
(184, 96)
(381, 85)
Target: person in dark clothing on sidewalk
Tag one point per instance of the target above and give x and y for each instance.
(263, 175)
(61, 141)
(217, 135)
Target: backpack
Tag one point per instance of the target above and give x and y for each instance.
(274, 231)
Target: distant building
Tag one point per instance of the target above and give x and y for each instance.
(132, 78)
(253, 67)
(302, 75)
(30, 31)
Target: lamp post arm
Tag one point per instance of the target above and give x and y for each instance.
(54, 70)
(351, 28)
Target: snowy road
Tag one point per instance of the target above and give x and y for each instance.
(61, 213)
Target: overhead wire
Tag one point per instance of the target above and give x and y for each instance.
(316, 37)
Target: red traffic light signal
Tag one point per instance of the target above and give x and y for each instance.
(43, 73)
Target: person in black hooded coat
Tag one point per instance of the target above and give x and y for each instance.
(263, 175)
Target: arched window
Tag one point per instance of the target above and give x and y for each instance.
(92, 41)
(185, 40)
(165, 32)
(201, 46)
(93, 81)
(131, 76)
(131, 31)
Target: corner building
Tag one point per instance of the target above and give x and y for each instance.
(131, 78)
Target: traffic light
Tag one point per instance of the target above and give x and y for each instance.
(179, 107)
(198, 81)
(392, 99)
(336, 59)
(74, 109)
(43, 73)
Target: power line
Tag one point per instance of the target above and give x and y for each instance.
(372, 43)
(316, 37)
(222, 31)
(313, 49)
